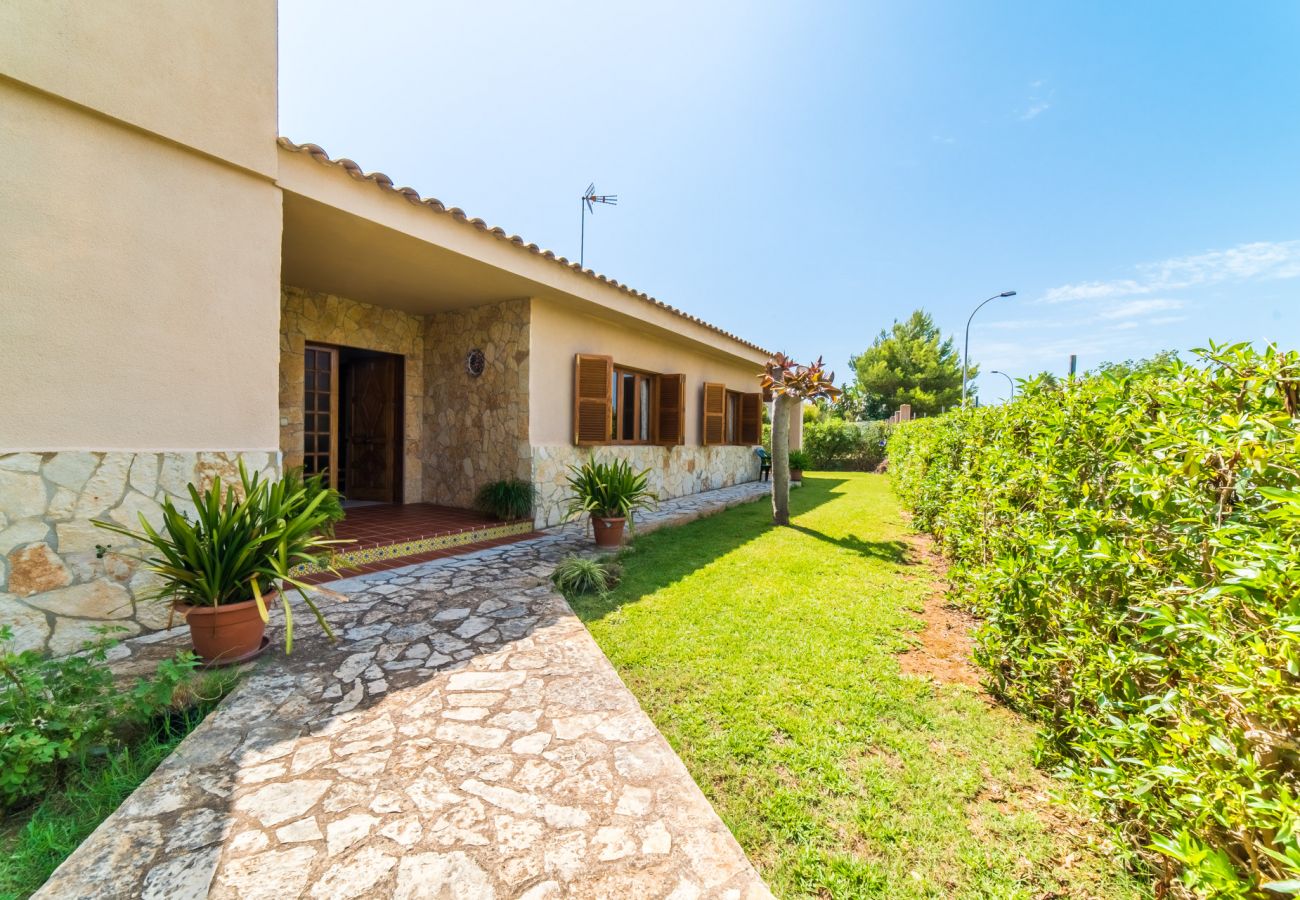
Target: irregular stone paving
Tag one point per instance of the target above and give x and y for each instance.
(465, 738)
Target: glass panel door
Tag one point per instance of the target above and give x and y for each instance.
(320, 412)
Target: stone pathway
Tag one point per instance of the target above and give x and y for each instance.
(465, 738)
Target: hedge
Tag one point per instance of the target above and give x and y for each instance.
(1132, 543)
(846, 446)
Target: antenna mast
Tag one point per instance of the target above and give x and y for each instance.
(589, 199)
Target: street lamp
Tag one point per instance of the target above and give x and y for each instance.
(1009, 381)
(965, 358)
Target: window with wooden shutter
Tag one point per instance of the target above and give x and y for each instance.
(751, 418)
(592, 376)
(715, 414)
(670, 405)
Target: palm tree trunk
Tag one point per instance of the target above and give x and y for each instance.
(781, 459)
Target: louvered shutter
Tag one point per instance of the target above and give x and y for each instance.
(670, 415)
(715, 414)
(591, 399)
(751, 418)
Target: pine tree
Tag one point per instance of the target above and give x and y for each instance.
(912, 363)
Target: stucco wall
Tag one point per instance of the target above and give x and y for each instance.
(477, 427)
(558, 333)
(201, 74)
(55, 589)
(141, 289)
(323, 318)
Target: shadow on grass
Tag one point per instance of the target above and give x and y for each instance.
(696, 544)
(889, 551)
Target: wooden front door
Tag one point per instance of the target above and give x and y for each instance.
(374, 433)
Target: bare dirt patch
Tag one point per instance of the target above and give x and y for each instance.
(944, 653)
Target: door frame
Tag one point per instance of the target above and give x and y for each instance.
(336, 413)
(334, 409)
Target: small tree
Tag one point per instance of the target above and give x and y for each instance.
(790, 384)
(912, 363)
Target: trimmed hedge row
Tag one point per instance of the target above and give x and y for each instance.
(1132, 542)
(834, 444)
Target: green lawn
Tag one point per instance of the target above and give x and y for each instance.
(769, 659)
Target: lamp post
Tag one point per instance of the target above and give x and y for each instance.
(965, 357)
(1009, 382)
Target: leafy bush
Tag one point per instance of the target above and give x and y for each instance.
(506, 500)
(584, 575)
(1133, 542)
(848, 446)
(53, 712)
(799, 460)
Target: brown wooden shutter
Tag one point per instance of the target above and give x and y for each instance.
(715, 414)
(751, 418)
(591, 398)
(670, 410)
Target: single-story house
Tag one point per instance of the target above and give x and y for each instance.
(179, 289)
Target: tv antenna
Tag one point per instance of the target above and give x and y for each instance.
(589, 199)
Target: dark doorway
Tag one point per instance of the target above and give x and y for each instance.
(367, 387)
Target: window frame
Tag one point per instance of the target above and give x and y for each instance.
(651, 416)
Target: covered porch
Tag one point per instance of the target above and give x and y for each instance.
(388, 535)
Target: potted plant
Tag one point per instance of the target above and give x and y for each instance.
(610, 493)
(223, 568)
(798, 462)
(509, 500)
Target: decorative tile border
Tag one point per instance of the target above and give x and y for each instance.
(351, 559)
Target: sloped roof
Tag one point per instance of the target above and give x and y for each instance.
(383, 181)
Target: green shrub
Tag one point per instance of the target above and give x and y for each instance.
(507, 500)
(1132, 541)
(799, 460)
(847, 446)
(584, 575)
(53, 712)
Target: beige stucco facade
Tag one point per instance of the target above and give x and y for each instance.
(165, 260)
(139, 287)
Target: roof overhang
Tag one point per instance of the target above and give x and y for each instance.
(357, 236)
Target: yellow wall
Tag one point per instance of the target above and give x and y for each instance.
(558, 333)
(139, 277)
(201, 74)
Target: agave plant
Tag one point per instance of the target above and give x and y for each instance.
(241, 544)
(609, 490)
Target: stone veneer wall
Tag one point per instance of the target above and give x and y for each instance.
(674, 471)
(476, 429)
(54, 589)
(326, 319)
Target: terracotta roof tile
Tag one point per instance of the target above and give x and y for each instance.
(379, 178)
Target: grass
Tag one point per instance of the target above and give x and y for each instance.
(34, 841)
(769, 659)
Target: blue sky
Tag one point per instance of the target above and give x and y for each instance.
(804, 174)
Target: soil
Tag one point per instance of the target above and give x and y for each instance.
(944, 653)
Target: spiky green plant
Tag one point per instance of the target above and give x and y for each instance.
(610, 490)
(241, 544)
(509, 499)
(585, 575)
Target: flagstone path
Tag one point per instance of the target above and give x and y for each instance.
(465, 738)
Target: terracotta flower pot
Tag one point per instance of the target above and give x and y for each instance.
(229, 633)
(609, 532)
(796, 474)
